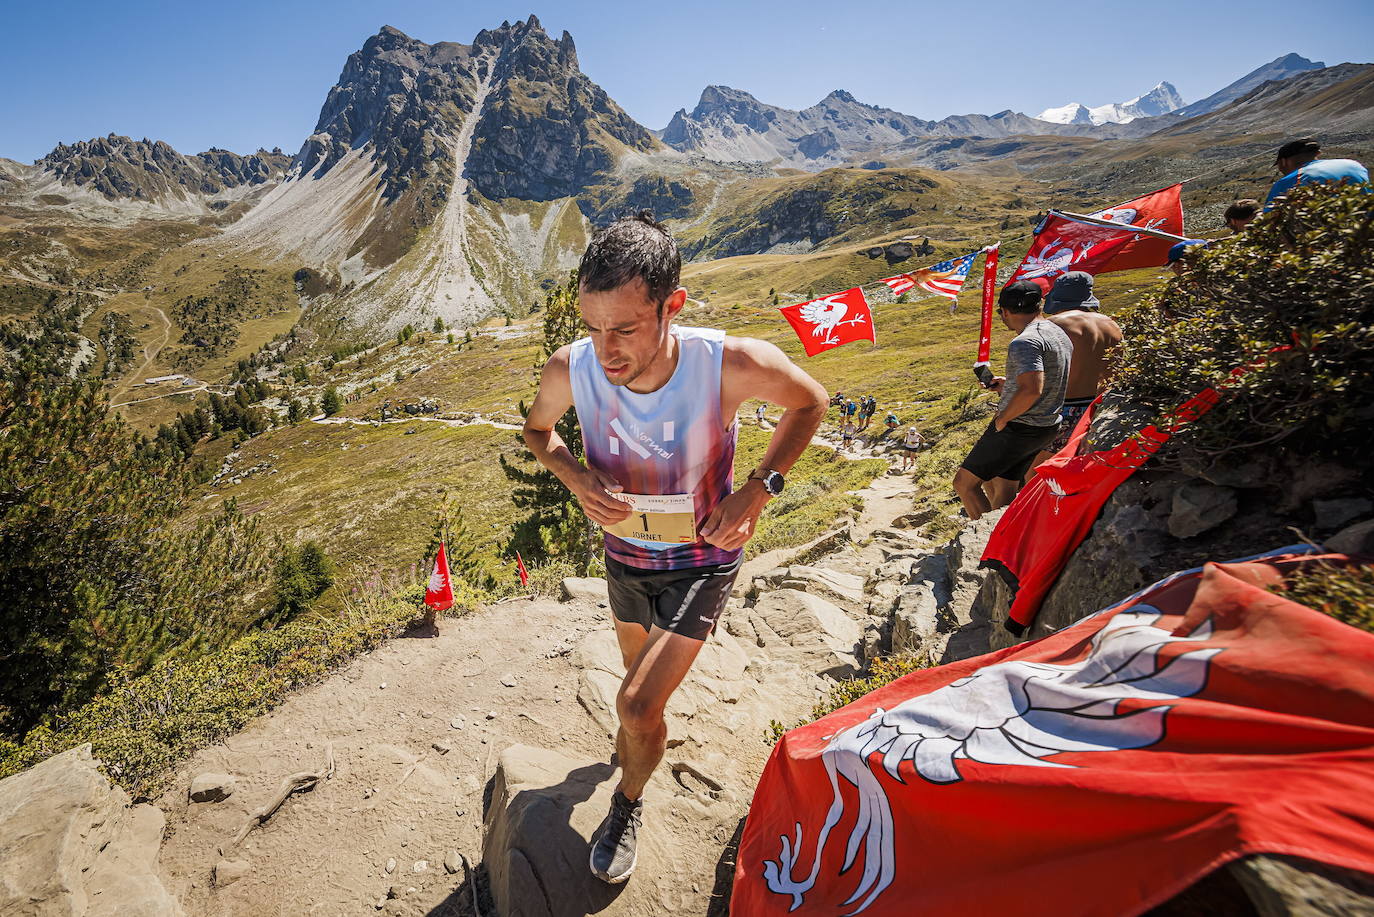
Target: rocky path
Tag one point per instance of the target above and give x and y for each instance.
(508, 713)
(150, 353)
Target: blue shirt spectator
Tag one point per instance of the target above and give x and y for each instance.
(1298, 160)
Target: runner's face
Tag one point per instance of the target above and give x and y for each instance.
(628, 331)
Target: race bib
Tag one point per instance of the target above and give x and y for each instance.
(662, 518)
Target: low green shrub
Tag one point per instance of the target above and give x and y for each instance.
(1301, 277)
(1345, 593)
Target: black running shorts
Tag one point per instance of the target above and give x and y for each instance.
(686, 602)
(1007, 453)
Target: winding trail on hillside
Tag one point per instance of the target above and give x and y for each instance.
(417, 728)
(149, 353)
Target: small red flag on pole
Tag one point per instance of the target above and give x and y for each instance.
(439, 593)
(989, 289)
(520, 566)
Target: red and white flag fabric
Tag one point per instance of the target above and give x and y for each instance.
(1097, 771)
(831, 321)
(1062, 245)
(943, 279)
(520, 569)
(439, 592)
(989, 295)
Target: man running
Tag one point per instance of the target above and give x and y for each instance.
(1092, 335)
(656, 404)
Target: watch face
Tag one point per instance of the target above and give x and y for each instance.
(773, 483)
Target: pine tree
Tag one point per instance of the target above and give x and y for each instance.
(554, 524)
(99, 579)
(330, 401)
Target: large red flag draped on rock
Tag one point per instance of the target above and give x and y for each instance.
(439, 592)
(1052, 514)
(1063, 245)
(831, 321)
(1094, 773)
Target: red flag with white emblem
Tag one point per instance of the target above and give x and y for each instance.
(1063, 245)
(1097, 771)
(439, 593)
(831, 321)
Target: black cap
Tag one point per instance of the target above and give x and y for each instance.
(1303, 146)
(1022, 296)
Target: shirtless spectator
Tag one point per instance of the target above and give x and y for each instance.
(1073, 307)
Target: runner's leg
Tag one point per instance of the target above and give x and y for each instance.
(651, 680)
(632, 637)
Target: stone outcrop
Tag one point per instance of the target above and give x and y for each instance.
(71, 844)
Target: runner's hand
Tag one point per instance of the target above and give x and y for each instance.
(996, 384)
(731, 523)
(593, 490)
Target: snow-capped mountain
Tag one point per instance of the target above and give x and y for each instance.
(1161, 100)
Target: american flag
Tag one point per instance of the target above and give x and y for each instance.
(943, 279)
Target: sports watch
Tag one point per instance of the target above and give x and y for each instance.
(773, 482)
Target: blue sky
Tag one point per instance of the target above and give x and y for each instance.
(254, 73)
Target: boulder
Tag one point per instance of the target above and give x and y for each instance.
(71, 843)
(898, 251)
(808, 630)
(227, 872)
(544, 810)
(211, 787)
(1198, 506)
(844, 589)
(585, 589)
(1330, 515)
(1282, 885)
(1353, 539)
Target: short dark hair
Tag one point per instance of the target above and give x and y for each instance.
(1242, 210)
(632, 247)
(1021, 297)
(1302, 148)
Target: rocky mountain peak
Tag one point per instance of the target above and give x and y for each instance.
(120, 167)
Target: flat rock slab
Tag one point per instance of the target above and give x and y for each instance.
(70, 843)
(545, 808)
(585, 589)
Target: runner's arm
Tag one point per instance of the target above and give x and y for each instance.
(588, 485)
(757, 369)
(1029, 387)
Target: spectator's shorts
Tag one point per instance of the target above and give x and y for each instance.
(686, 602)
(1074, 408)
(1007, 453)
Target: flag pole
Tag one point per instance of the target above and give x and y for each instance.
(1124, 227)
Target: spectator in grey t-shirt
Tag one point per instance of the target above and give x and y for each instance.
(1028, 413)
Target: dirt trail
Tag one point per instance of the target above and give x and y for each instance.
(149, 353)
(416, 728)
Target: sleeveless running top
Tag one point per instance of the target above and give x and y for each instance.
(670, 441)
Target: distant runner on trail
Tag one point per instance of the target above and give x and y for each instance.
(911, 444)
(656, 403)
